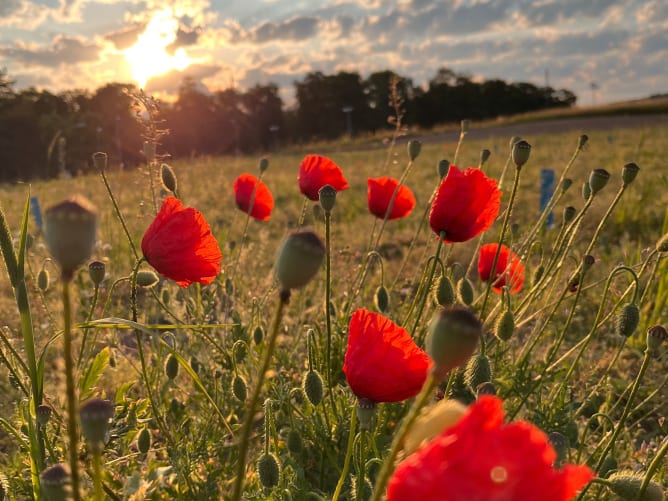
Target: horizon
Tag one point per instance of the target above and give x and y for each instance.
(605, 51)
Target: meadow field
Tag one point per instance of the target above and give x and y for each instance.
(193, 415)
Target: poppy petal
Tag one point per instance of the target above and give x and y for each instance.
(249, 192)
(315, 171)
(509, 269)
(380, 193)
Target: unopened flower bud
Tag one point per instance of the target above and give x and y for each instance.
(313, 387)
(414, 148)
(239, 388)
(569, 213)
(484, 156)
(453, 336)
(263, 164)
(598, 179)
(444, 294)
(656, 335)
(586, 191)
(100, 161)
(505, 326)
(381, 299)
(144, 440)
(327, 196)
(629, 173)
(70, 233)
(565, 184)
(465, 291)
(627, 484)
(582, 140)
(442, 168)
(168, 178)
(147, 278)
(587, 262)
(627, 320)
(299, 259)
(520, 153)
(171, 367)
(269, 470)
(43, 279)
(149, 151)
(55, 481)
(95, 417)
(294, 442)
(478, 370)
(258, 334)
(538, 274)
(96, 272)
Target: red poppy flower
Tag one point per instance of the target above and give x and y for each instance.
(251, 193)
(316, 171)
(482, 459)
(382, 361)
(180, 246)
(380, 194)
(509, 269)
(466, 204)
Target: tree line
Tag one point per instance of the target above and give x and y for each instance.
(43, 135)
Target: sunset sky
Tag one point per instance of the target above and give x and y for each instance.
(622, 45)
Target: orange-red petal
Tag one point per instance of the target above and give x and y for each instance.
(380, 193)
(251, 193)
(509, 269)
(315, 171)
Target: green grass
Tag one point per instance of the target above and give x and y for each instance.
(196, 459)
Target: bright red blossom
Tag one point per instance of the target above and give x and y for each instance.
(380, 194)
(466, 204)
(382, 361)
(249, 192)
(509, 269)
(316, 171)
(180, 246)
(482, 459)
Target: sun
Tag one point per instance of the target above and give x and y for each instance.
(149, 57)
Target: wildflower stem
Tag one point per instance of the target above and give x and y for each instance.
(388, 464)
(118, 214)
(653, 466)
(96, 294)
(72, 399)
(349, 454)
(248, 421)
(97, 476)
(362, 470)
(427, 283)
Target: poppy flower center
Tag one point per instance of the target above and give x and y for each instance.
(499, 475)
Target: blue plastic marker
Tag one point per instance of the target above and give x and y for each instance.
(36, 212)
(546, 192)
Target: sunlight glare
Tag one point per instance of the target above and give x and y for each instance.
(148, 57)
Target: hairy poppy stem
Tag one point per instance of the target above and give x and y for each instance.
(427, 284)
(349, 454)
(248, 422)
(388, 464)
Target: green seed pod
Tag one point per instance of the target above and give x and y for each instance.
(294, 442)
(656, 335)
(560, 445)
(56, 483)
(239, 388)
(627, 320)
(452, 338)
(195, 365)
(269, 470)
(465, 291)
(147, 278)
(96, 272)
(258, 335)
(240, 350)
(313, 387)
(608, 467)
(520, 153)
(70, 229)
(565, 184)
(444, 294)
(629, 173)
(569, 214)
(538, 274)
(662, 244)
(586, 191)
(171, 367)
(143, 440)
(168, 178)
(95, 418)
(442, 168)
(263, 164)
(43, 414)
(381, 299)
(165, 295)
(43, 279)
(414, 148)
(299, 259)
(582, 140)
(366, 412)
(626, 484)
(477, 372)
(484, 156)
(598, 179)
(327, 196)
(100, 161)
(485, 388)
(505, 326)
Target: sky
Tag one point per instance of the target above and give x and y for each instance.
(620, 45)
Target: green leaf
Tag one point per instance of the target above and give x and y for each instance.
(23, 237)
(93, 373)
